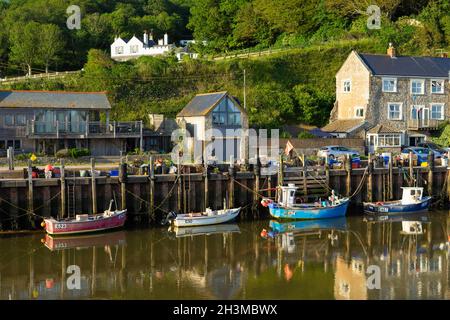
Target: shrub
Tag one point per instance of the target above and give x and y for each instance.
(73, 153)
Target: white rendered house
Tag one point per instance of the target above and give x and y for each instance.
(123, 50)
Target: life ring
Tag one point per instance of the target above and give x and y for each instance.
(379, 203)
(266, 202)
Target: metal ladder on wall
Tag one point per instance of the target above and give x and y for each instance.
(71, 203)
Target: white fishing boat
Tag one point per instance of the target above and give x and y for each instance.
(203, 218)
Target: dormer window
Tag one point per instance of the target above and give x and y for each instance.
(389, 85)
(347, 86)
(119, 50)
(437, 86)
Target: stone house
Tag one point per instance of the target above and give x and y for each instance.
(389, 100)
(216, 124)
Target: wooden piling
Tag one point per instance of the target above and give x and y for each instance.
(411, 169)
(123, 186)
(30, 195)
(205, 179)
(257, 172)
(231, 183)
(10, 157)
(370, 179)
(63, 189)
(305, 177)
(391, 180)
(430, 172)
(179, 185)
(151, 174)
(93, 187)
(348, 169)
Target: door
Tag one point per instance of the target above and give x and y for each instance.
(426, 117)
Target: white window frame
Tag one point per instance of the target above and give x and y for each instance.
(344, 86)
(422, 81)
(389, 79)
(356, 112)
(442, 105)
(119, 49)
(400, 110)
(442, 86)
(134, 49)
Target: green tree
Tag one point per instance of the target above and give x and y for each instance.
(24, 45)
(50, 44)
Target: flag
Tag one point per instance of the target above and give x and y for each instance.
(288, 148)
(33, 157)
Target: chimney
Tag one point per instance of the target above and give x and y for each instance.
(166, 39)
(145, 38)
(391, 50)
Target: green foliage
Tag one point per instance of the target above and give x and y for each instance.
(72, 153)
(305, 135)
(443, 138)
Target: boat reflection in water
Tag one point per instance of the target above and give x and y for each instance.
(205, 230)
(86, 241)
(321, 259)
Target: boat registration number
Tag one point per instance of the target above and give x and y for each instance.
(60, 226)
(187, 221)
(382, 209)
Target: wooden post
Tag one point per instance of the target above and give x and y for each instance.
(30, 194)
(348, 168)
(179, 185)
(205, 178)
(151, 174)
(370, 179)
(280, 171)
(63, 190)
(257, 172)
(231, 183)
(123, 186)
(93, 187)
(305, 177)
(430, 172)
(391, 179)
(10, 155)
(327, 175)
(411, 169)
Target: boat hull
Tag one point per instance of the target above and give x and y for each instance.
(65, 227)
(186, 220)
(397, 208)
(339, 223)
(281, 212)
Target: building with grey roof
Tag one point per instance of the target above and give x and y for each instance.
(408, 95)
(47, 121)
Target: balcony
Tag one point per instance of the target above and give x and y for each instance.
(424, 124)
(82, 130)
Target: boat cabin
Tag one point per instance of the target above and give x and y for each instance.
(287, 195)
(411, 195)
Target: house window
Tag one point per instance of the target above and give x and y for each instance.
(20, 120)
(360, 112)
(347, 86)
(389, 85)
(437, 86)
(417, 86)
(415, 110)
(394, 111)
(226, 113)
(437, 111)
(389, 140)
(9, 120)
(134, 49)
(119, 50)
(17, 144)
(2, 145)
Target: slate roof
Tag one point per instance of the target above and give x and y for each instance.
(201, 104)
(54, 100)
(381, 128)
(343, 125)
(407, 66)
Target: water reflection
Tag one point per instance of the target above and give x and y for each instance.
(325, 259)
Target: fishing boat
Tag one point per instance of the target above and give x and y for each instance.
(202, 219)
(287, 208)
(205, 230)
(412, 201)
(84, 223)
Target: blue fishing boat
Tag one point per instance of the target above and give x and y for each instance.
(412, 201)
(287, 208)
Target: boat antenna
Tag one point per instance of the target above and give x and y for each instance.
(115, 201)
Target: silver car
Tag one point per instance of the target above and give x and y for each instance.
(336, 151)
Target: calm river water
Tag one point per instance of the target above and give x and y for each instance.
(326, 259)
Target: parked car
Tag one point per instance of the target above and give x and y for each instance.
(336, 151)
(419, 153)
(437, 150)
